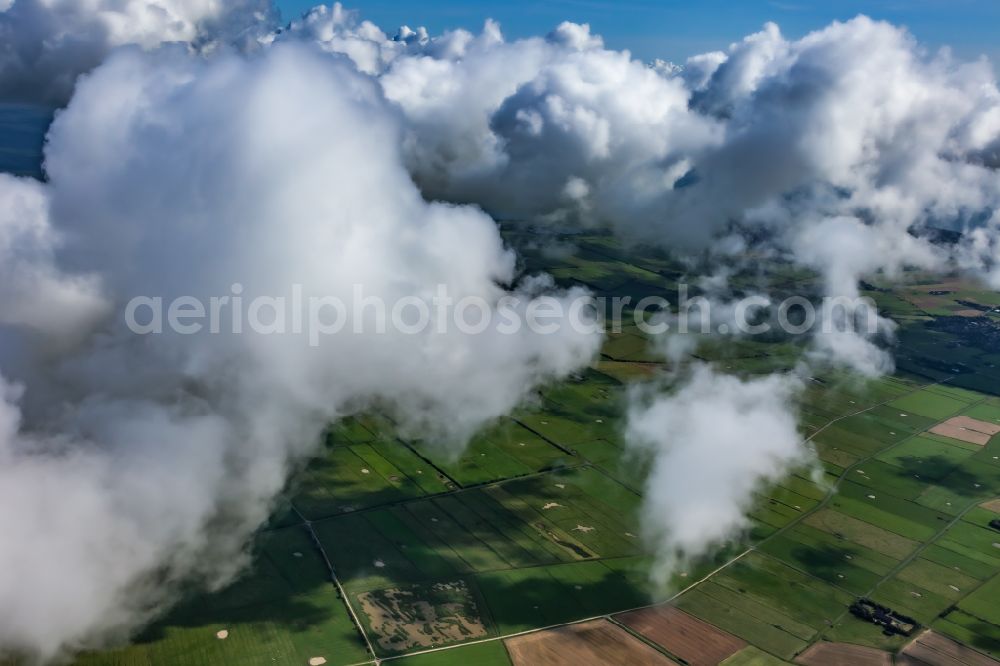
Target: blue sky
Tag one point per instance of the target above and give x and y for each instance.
(672, 29)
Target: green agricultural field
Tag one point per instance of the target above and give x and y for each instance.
(971, 631)
(932, 456)
(912, 600)
(522, 599)
(982, 603)
(899, 516)
(506, 451)
(863, 533)
(941, 580)
(358, 476)
(974, 541)
(751, 656)
(930, 403)
(950, 559)
(986, 411)
(843, 564)
(538, 521)
(285, 610)
(492, 653)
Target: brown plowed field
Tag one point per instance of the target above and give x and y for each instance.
(593, 643)
(693, 640)
(932, 649)
(967, 429)
(843, 654)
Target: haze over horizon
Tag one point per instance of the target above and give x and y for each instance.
(674, 29)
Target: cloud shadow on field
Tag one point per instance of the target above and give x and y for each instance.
(826, 562)
(287, 585)
(942, 472)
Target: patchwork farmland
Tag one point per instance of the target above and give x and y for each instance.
(527, 548)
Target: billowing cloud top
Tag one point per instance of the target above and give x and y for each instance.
(853, 120)
(846, 147)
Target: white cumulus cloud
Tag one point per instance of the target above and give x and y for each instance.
(130, 462)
